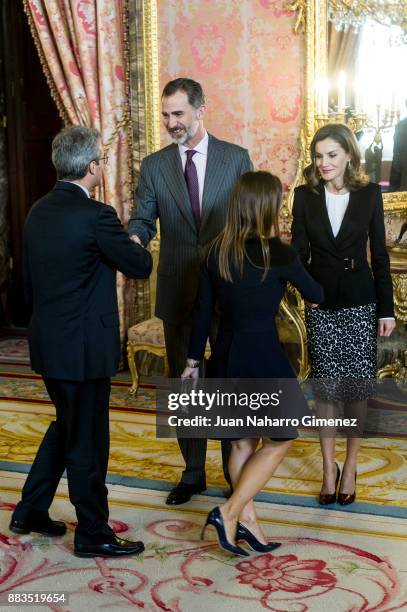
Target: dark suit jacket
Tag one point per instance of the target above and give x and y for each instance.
(72, 247)
(162, 194)
(398, 173)
(327, 257)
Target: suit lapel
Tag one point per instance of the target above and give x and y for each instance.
(323, 212)
(214, 175)
(350, 216)
(171, 168)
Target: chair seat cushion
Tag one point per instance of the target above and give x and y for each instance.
(152, 332)
(148, 332)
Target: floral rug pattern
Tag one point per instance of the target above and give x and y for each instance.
(344, 570)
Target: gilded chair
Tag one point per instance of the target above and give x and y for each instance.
(147, 336)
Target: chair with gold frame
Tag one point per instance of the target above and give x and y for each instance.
(147, 336)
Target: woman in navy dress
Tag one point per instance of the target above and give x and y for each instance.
(246, 273)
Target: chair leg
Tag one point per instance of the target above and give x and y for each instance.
(131, 354)
(166, 366)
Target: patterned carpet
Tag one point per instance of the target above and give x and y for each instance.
(329, 561)
(138, 458)
(337, 559)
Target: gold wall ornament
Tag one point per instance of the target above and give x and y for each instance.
(315, 14)
(300, 7)
(151, 75)
(397, 370)
(400, 296)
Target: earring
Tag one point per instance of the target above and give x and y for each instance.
(348, 164)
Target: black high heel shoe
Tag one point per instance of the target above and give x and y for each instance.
(243, 533)
(330, 498)
(215, 518)
(347, 498)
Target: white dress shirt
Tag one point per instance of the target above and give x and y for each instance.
(199, 159)
(336, 205)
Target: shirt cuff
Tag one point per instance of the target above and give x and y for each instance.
(387, 319)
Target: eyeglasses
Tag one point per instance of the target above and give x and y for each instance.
(104, 159)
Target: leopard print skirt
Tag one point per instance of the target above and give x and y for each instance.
(343, 350)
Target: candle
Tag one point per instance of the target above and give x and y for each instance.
(325, 90)
(393, 103)
(319, 97)
(358, 98)
(341, 91)
(322, 96)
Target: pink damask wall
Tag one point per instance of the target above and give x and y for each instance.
(251, 66)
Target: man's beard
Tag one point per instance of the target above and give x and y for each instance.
(184, 137)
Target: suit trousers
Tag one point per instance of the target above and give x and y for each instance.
(77, 440)
(193, 449)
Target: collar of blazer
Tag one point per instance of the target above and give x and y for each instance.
(352, 213)
(171, 168)
(72, 187)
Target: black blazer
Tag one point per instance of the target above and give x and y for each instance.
(72, 247)
(340, 264)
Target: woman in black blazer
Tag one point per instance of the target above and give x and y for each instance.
(334, 215)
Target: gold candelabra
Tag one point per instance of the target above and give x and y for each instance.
(355, 121)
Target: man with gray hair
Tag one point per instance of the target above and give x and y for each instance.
(72, 247)
(186, 186)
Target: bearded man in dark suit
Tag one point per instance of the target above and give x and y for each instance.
(72, 247)
(186, 186)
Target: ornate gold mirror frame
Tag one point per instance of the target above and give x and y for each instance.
(143, 75)
(312, 21)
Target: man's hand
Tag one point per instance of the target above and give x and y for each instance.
(192, 373)
(309, 305)
(385, 327)
(136, 239)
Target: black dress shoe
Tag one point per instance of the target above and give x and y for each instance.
(45, 526)
(182, 493)
(115, 547)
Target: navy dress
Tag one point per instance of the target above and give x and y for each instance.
(247, 344)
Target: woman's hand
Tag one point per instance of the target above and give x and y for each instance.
(385, 327)
(309, 305)
(192, 373)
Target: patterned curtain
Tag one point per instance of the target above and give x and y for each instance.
(140, 295)
(343, 49)
(4, 226)
(82, 48)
